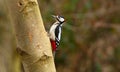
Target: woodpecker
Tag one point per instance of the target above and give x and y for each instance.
(55, 32)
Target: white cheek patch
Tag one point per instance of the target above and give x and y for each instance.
(61, 19)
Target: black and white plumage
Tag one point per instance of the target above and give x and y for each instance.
(55, 32)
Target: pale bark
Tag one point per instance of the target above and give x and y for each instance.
(9, 62)
(33, 43)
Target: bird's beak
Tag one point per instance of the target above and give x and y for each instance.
(54, 16)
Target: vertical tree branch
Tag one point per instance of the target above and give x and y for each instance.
(33, 42)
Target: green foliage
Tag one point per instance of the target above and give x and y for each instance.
(117, 53)
(98, 67)
(87, 7)
(70, 7)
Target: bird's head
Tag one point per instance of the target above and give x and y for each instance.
(59, 18)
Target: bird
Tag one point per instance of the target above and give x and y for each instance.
(55, 32)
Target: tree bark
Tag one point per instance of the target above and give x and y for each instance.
(33, 43)
(9, 61)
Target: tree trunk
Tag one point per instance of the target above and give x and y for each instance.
(9, 61)
(33, 43)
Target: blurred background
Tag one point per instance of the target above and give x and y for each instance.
(90, 36)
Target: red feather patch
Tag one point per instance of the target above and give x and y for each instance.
(53, 45)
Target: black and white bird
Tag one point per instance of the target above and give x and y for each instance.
(55, 32)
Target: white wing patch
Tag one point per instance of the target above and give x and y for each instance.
(59, 35)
